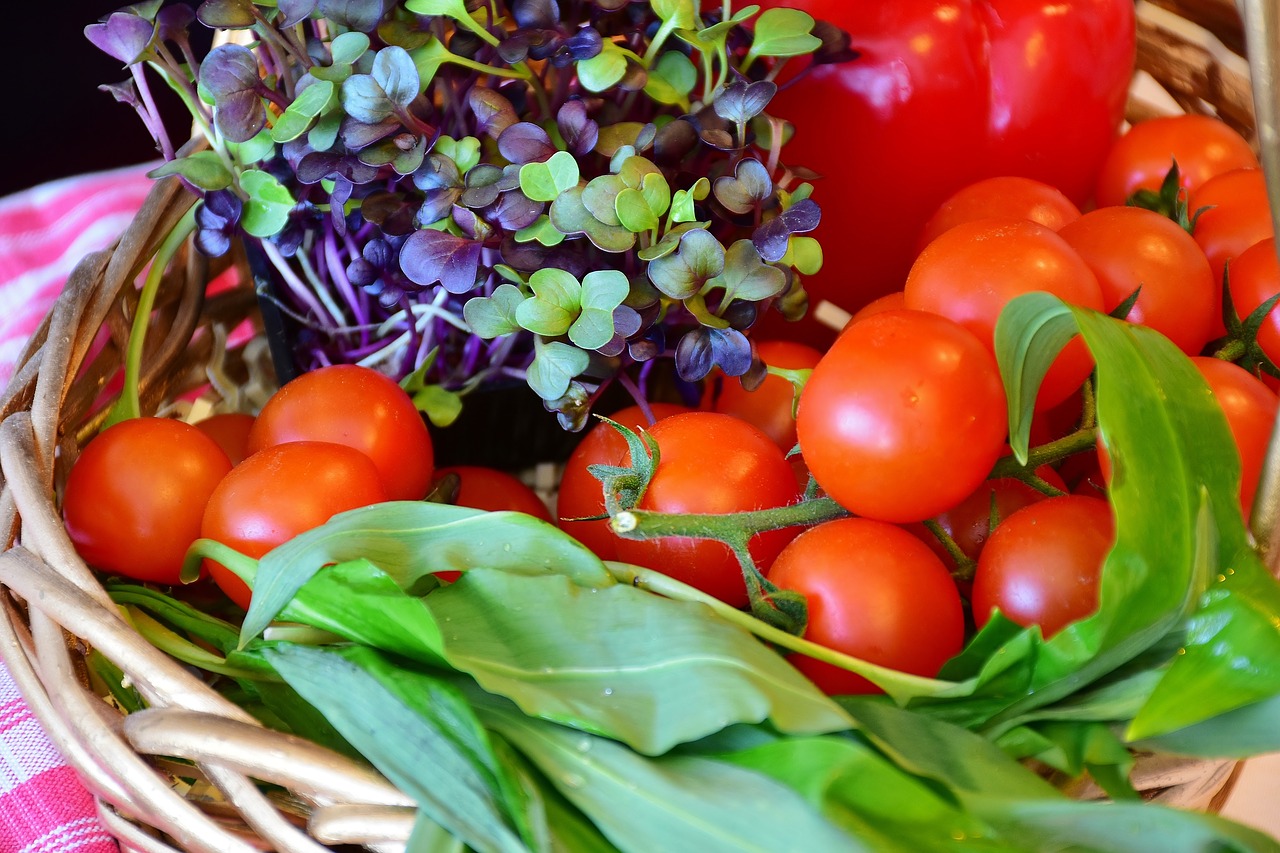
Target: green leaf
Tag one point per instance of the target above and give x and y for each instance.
(600, 198)
(633, 211)
(493, 316)
(414, 747)
(554, 304)
(783, 32)
(545, 181)
(428, 58)
(683, 273)
(439, 404)
(325, 133)
(603, 70)
(803, 253)
(554, 366)
(570, 216)
(456, 9)
(253, 150)
(621, 662)
(682, 14)
(409, 540)
(747, 277)
(671, 79)
(1242, 733)
(267, 210)
(347, 47)
(310, 103)
(602, 292)
(203, 168)
(541, 230)
(672, 803)
(464, 152)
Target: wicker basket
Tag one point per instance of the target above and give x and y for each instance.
(54, 609)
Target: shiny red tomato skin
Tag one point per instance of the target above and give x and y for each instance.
(361, 408)
(1203, 147)
(231, 431)
(942, 94)
(769, 406)
(1128, 248)
(1042, 564)
(1250, 407)
(580, 494)
(282, 491)
(903, 417)
(1255, 278)
(976, 268)
(712, 463)
(493, 490)
(135, 496)
(1001, 197)
(1237, 216)
(874, 592)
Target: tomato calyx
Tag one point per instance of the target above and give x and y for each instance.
(1241, 342)
(625, 485)
(1170, 201)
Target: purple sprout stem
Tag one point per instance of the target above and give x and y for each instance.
(152, 116)
(636, 393)
(338, 274)
(297, 288)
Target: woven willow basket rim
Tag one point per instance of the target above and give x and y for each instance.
(56, 608)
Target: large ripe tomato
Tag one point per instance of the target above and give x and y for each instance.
(1238, 215)
(875, 592)
(712, 463)
(1250, 407)
(279, 492)
(945, 92)
(1001, 197)
(135, 495)
(1042, 564)
(1128, 248)
(903, 417)
(1202, 146)
(976, 268)
(494, 490)
(769, 406)
(1255, 278)
(358, 407)
(581, 495)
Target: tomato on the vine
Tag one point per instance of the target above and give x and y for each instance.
(135, 496)
(973, 270)
(231, 431)
(1250, 407)
(361, 408)
(1042, 564)
(712, 463)
(1236, 215)
(493, 490)
(1001, 197)
(903, 417)
(282, 491)
(1255, 278)
(875, 592)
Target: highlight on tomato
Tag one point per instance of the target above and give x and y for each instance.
(874, 592)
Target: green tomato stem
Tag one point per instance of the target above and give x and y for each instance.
(1046, 454)
(727, 527)
(964, 564)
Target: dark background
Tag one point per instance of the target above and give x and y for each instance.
(53, 120)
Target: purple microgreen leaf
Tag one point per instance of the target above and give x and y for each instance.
(650, 345)
(431, 256)
(436, 205)
(482, 185)
(545, 181)
(395, 73)
(294, 11)
(359, 15)
(742, 315)
(217, 218)
(493, 316)
(124, 92)
(626, 320)
(579, 47)
(526, 142)
(681, 274)
(338, 197)
(493, 112)
(749, 185)
(579, 131)
(673, 141)
(173, 21)
(514, 211)
(836, 44)
(536, 14)
(703, 348)
(392, 212)
(358, 134)
(515, 48)
(365, 101)
(122, 35)
(470, 224)
(741, 101)
(771, 239)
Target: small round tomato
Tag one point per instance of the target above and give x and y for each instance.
(1129, 248)
(903, 417)
(1255, 278)
(973, 270)
(135, 495)
(1004, 197)
(494, 490)
(875, 592)
(1042, 564)
(709, 464)
(279, 492)
(231, 431)
(1203, 147)
(361, 408)
(581, 496)
(1250, 407)
(769, 406)
(1236, 216)
(889, 302)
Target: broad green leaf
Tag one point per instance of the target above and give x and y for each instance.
(203, 168)
(602, 292)
(554, 366)
(621, 662)
(670, 803)
(1242, 733)
(603, 70)
(1073, 748)
(492, 316)
(253, 150)
(410, 540)
(417, 752)
(267, 210)
(545, 181)
(554, 305)
(542, 230)
(783, 32)
(297, 119)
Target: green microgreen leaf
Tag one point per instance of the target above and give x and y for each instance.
(682, 201)
(803, 253)
(554, 366)
(604, 70)
(203, 168)
(682, 14)
(267, 210)
(324, 134)
(547, 180)
(464, 152)
(600, 198)
(783, 32)
(347, 47)
(305, 109)
(749, 185)
(554, 304)
(541, 230)
(254, 149)
(671, 79)
(681, 274)
(492, 316)
(570, 216)
(746, 276)
(602, 292)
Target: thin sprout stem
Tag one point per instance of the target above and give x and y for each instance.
(154, 124)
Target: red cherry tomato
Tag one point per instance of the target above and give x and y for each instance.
(360, 408)
(973, 270)
(875, 592)
(903, 417)
(581, 495)
(135, 495)
(1042, 564)
(768, 407)
(1250, 407)
(712, 463)
(1003, 197)
(279, 492)
(231, 431)
(889, 302)
(1203, 147)
(1128, 248)
(494, 490)
(1237, 216)
(1255, 278)
(944, 93)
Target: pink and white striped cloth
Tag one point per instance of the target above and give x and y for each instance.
(44, 231)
